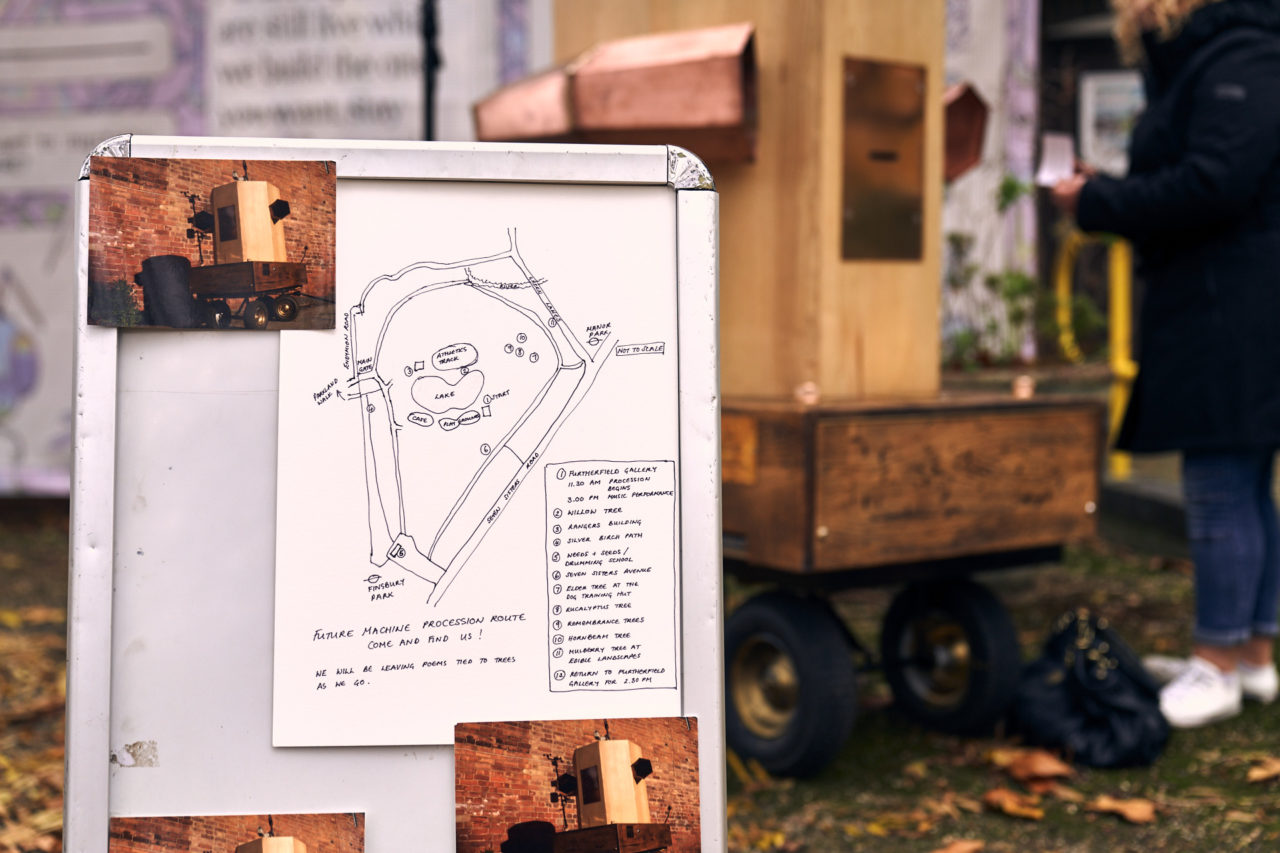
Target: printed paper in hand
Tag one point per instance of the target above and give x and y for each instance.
(1057, 159)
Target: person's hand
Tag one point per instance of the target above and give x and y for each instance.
(1066, 193)
(1086, 169)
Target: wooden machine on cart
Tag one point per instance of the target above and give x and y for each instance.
(608, 782)
(251, 277)
(843, 463)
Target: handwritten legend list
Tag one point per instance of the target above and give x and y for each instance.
(611, 574)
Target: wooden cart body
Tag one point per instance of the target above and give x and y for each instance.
(614, 838)
(246, 279)
(256, 292)
(837, 488)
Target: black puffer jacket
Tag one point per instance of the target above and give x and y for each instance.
(1202, 205)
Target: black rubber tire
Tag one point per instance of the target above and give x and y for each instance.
(950, 655)
(215, 314)
(796, 725)
(257, 314)
(286, 308)
(221, 313)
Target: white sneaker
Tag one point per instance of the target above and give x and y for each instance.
(1163, 668)
(1202, 694)
(1257, 683)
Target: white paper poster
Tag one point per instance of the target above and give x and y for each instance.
(344, 69)
(478, 485)
(1057, 158)
(1110, 104)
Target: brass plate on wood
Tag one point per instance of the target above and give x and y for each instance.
(739, 440)
(883, 201)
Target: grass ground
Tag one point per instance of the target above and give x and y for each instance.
(893, 786)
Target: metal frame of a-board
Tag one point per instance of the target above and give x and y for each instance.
(131, 579)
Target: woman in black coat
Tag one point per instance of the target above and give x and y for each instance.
(1201, 204)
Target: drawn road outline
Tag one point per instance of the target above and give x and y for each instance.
(465, 371)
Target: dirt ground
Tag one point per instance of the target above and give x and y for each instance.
(33, 596)
(893, 785)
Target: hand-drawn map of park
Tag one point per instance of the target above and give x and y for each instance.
(478, 502)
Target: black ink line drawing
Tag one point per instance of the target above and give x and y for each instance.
(454, 422)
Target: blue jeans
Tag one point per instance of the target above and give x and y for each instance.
(1235, 542)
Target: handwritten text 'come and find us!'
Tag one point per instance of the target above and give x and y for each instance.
(431, 634)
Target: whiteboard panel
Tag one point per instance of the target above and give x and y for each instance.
(174, 535)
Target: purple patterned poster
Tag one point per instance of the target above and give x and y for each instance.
(72, 73)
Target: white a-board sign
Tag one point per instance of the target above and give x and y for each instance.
(301, 555)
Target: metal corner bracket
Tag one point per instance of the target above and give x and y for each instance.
(686, 172)
(116, 146)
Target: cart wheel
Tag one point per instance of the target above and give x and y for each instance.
(257, 314)
(218, 313)
(790, 694)
(951, 656)
(286, 308)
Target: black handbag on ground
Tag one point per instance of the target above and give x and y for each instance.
(1088, 695)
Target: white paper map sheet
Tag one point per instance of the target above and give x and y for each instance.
(478, 473)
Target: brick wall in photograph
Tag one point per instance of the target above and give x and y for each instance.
(139, 208)
(322, 833)
(504, 776)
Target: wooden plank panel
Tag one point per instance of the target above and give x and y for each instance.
(739, 448)
(879, 319)
(261, 239)
(771, 256)
(792, 311)
(771, 260)
(620, 838)
(580, 24)
(246, 278)
(765, 495)
(905, 488)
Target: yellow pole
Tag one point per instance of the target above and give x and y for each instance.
(1063, 273)
(1119, 326)
(1123, 368)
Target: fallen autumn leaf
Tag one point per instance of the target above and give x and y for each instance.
(1265, 770)
(1012, 803)
(962, 847)
(916, 770)
(1037, 764)
(1065, 793)
(1134, 810)
(1003, 756)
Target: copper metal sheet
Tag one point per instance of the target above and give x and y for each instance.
(692, 88)
(883, 207)
(966, 127)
